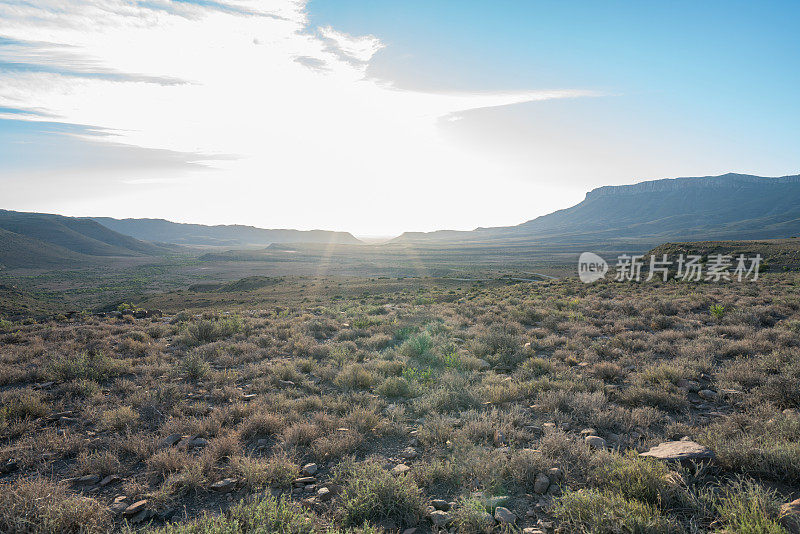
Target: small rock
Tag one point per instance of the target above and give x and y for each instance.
(680, 450)
(196, 443)
(409, 453)
(412, 530)
(439, 518)
(120, 498)
(532, 530)
(707, 394)
(504, 515)
(556, 474)
(541, 483)
(400, 469)
(135, 508)
(440, 504)
(588, 432)
(493, 502)
(310, 469)
(286, 383)
(110, 479)
(323, 494)
(118, 508)
(225, 485)
(595, 442)
(548, 426)
(304, 481)
(790, 516)
(144, 515)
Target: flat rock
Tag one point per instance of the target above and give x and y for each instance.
(135, 508)
(439, 518)
(225, 485)
(790, 516)
(310, 469)
(441, 504)
(400, 469)
(595, 442)
(680, 450)
(504, 515)
(110, 479)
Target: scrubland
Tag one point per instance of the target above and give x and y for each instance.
(482, 408)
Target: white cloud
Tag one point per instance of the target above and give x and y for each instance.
(318, 144)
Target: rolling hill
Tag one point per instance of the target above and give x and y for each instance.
(38, 240)
(161, 230)
(731, 206)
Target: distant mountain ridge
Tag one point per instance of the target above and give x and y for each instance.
(161, 230)
(43, 239)
(730, 206)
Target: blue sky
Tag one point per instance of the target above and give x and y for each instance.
(378, 117)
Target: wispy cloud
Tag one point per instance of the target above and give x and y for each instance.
(244, 77)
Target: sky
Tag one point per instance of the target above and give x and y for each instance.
(378, 117)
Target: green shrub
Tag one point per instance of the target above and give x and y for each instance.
(268, 514)
(636, 477)
(747, 508)
(606, 512)
(395, 386)
(38, 506)
(371, 493)
(88, 366)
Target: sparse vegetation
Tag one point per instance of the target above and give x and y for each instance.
(532, 397)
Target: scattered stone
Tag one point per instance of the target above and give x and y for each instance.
(439, 518)
(196, 443)
(441, 504)
(225, 485)
(120, 498)
(790, 516)
(400, 469)
(249, 396)
(504, 515)
(532, 530)
(541, 483)
(110, 479)
(304, 481)
(707, 394)
(595, 442)
(493, 502)
(144, 515)
(409, 453)
(286, 383)
(588, 432)
(680, 450)
(555, 474)
(310, 469)
(323, 494)
(118, 508)
(135, 508)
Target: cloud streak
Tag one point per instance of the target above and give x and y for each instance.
(246, 78)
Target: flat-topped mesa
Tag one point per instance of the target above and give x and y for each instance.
(725, 181)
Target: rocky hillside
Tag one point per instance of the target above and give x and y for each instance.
(731, 206)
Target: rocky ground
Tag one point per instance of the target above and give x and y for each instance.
(539, 407)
